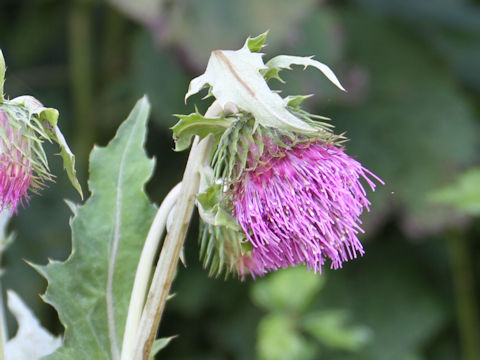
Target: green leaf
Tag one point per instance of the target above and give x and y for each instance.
(284, 61)
(257, 43)
(196, 124)
(91, 289)
(287, 289)
(330, 328)
(294, 101)
(160, 344)
(68, 159)
(48, 118)
(279, 340)
(463, 195)
(234, 77)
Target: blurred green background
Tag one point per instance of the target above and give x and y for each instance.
(412, 111)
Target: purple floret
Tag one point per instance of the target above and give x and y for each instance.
(302, 206)
(16, 172)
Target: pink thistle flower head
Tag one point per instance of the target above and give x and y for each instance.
(284, 199)
(24, 125)
(23, 164)
(302, 206)
(16, 169)
(279, 189)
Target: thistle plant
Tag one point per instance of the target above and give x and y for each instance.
(279, 189)
(272, 182)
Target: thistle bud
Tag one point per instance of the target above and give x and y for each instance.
(20, 170)
(24, 125)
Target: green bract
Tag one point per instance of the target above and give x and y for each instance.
(40, 124)
(44, 121)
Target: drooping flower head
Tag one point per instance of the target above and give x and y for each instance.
(279, 189)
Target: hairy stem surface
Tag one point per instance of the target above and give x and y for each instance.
(144, 270)
(172, 246)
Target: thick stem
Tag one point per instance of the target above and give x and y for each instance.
(465, 295)
(173, 244)
(144, 270)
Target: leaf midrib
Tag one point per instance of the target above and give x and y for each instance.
(112, 334)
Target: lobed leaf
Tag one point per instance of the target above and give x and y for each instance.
(235, 77)
(91, 289)
(195, 124)
(284, 61)
(256, 43)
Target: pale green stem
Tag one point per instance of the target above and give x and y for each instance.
(462, 272)
(144, 269)
(173, 244)
(2, 75)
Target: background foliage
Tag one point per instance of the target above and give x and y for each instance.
(412, 109)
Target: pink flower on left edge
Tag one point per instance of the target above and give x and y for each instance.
(16, 170)
(301, 206)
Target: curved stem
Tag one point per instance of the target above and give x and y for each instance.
(144, 270)
(173, 244)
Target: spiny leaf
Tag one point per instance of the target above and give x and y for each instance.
(284, 61)
(234, 77)
(91, 289)
(257, 43)
(68, 160)
(196, 124)
(294, 101)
